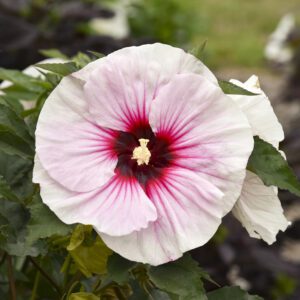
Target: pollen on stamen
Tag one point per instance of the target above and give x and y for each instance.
(142, 153)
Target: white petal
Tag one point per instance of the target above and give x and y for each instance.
(121, 86)
(189, 213)
(74, 150)
(259, 209)
(259, 112)
(117, 208)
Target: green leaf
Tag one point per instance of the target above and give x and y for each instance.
(13, 103)
(83, 296)
(97, 54)
(138, 292)
(272, 168)
(14, 134)
(81, 59)
(181, 277)
(17, 172)
(62, 69)
(91, 258)
(159, 295)
(14, 145)
(19, 92)
(13, 168)
(53, 53)
(231, 293)
(232, 89)
(14, 220)
(199, 50)
(10, 120)
(6, 192)
(118, 268)
(43, 222)
(20, 79)
(52, 78)
(78, 235)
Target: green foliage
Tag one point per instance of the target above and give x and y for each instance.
(215, 21)
(20, 79)
(91, 259)
(199, 51)
(78, 235)
(72, 262)
(6, 192)
(13, 144)
(159, 295)
(54, 53)
(10, 121)
(14, 134)
(83, 296)
(65, 68)
(284, 286)
(16, 172)
(272, 168)
(96, 54)
(14, 219)
(224, 24)
(26, 223)
(171, 22)
(88, 252)
(232, 89)
(62, 69)
(20, 92)
(43, 222)
(12, 102)
(231, 293)
(186, 279)
(221, 235)
(118, 268)
(81, 59)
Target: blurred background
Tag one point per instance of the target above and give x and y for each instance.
(235, 38)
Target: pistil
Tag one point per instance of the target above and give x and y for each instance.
(142, 153)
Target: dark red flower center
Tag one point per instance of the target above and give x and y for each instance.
(158, 145)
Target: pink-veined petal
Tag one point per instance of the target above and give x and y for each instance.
(121, 86)
(209, 132)
(259, 209)
(74, 150)
(189, 213)
(117, 208)
(259, 112)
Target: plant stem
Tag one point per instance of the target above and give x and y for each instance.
(36, 284)
(66, 268)
(3, 258)
(75, 278)
(12, 284)
(71, 289)
(51, 281)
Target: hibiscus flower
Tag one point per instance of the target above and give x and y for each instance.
(143, 145)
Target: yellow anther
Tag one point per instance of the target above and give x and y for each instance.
(142, 153)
